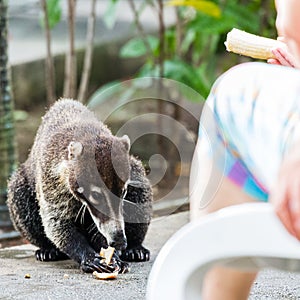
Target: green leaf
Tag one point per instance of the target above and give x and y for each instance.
(207, 7)
(188, 40)
(207, 24)
(242, 17)
(110, 14)
(20, 115)
(136, 47)
(180, 71)
(206, 78)
(170, 43)
(54, 13)
(148, 70)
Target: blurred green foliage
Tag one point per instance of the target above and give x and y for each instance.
(193, 58)
(194, 46)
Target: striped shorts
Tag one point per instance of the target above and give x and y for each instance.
(251, 119)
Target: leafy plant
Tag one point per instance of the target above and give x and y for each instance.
(192, 58)
(136, 47)
(110, 14)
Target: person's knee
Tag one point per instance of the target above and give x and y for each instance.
(208, 201)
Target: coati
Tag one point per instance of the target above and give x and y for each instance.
(80, 190)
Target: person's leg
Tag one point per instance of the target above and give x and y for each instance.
(242, 142)
(210, 191)
(227, 284)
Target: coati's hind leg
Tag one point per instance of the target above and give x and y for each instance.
(24, 212)
(137, 214)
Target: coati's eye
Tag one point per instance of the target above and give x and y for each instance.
(97, 196)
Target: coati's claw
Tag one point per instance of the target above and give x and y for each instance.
(90, 265)
(137, 254)
(97, 264)
(52, 254)
(120, 266)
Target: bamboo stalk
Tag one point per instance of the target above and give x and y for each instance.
(161, 37)
(88, 54)
(161, 89)
(179, 32)
(139, 27)
(8, 156)
(179, 38)
(50, 71)
(70, 63)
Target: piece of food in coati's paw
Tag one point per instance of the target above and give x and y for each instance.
(105, 276)
(107, 254)
(108, 259)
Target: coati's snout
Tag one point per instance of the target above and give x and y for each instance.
(106, 212)
(119, 241)
(100, 184)
(115, 236)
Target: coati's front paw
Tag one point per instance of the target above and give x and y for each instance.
(52, 254)
(96, 263)
(120, 266)
(137, 254)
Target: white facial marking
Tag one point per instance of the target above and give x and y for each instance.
(95, 188)
(80, 190)
(74, 150)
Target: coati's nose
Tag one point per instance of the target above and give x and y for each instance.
(119, 241)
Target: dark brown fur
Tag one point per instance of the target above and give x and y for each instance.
(67, 197)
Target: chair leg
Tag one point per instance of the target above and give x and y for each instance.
(248, 237)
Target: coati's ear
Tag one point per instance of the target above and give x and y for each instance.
(74, 150)
(126, 141)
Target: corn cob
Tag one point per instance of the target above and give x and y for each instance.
(251, 45)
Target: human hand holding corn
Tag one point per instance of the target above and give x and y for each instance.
(247, 44)
(283, 56)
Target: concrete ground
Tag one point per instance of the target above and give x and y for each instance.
(64, 280)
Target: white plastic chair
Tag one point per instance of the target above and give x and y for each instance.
(248, 236)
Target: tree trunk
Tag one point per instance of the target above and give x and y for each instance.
(49, 65)
(88, 57)
(7, 135)
(70, 84)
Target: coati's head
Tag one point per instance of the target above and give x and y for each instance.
(98, 176)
